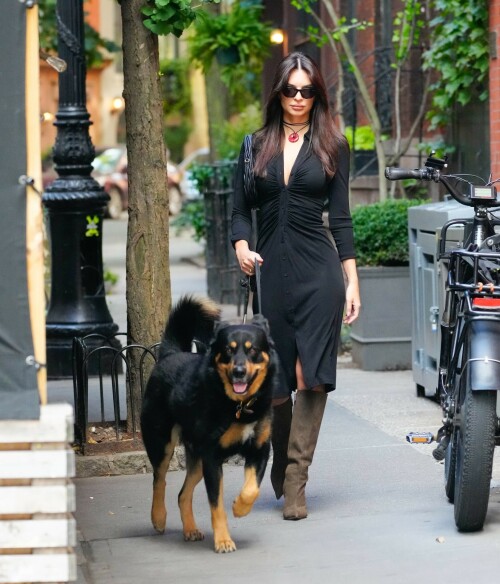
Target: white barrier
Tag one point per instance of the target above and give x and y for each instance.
(37, 498)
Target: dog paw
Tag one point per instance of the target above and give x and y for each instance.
(225, 546)
(193, 535)
(240, 508)
(159, 521)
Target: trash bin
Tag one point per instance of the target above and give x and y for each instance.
(428, 280)
(223, 271)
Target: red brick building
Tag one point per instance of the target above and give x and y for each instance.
(495, 87)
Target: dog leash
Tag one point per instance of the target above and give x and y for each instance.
(247, 284)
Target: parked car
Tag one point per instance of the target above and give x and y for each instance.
(110, 171)
(188, 185)
(49, 173)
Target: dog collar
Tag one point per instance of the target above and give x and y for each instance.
(244, 407)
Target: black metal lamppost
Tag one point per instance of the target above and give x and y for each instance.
(75, 203)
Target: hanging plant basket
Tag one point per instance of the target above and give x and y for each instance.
(227, 56)
(238, 40)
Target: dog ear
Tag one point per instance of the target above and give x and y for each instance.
(219, 326)
(217, 330)
(261, 321)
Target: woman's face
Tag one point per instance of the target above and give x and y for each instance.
(296, 109)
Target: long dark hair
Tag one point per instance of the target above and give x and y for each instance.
(325, 139)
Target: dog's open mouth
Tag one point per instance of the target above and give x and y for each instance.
(240, 387)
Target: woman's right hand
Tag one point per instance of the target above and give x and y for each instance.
(246, 258)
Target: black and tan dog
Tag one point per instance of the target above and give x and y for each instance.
(217, 403)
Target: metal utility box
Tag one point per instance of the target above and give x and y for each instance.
(428, 280)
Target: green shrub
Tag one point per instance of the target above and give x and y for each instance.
(381, 232)
(175, 87)
(363, 138)
(230, 134)
(192, 216)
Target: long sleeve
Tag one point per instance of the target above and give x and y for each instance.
(339, 215)
(241, 217)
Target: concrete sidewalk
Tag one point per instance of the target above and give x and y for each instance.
(377, 510)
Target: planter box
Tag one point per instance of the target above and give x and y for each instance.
(381, 337)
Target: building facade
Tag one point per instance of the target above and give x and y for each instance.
(495, 87)
(373, 46)
(104, 84)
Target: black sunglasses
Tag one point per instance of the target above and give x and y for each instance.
(305, 92)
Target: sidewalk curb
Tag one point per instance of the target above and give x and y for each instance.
(129, 463)
(123, 463)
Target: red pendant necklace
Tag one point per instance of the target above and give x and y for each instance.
(294, 136)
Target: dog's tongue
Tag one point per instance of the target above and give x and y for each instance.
(239, 387)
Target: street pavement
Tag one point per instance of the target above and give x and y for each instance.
(377, 507)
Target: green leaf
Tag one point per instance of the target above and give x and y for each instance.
(243, 28)
(458, 53)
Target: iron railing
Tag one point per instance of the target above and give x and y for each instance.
(102, 368)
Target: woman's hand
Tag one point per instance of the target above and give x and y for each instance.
(246, 258)
(352, 303)
(352, 296)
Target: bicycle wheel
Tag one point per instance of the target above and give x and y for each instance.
(450, 463)
(474, 457)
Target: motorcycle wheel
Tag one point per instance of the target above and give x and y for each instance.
(474, 458)
(450, 463)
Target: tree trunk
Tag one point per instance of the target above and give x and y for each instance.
(148, 270)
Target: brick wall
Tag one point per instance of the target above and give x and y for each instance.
(495, 87)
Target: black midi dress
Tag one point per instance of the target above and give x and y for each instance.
(303, 293)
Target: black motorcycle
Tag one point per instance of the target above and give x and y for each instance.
(469, 364)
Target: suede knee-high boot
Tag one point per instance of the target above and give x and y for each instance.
(306, 422)
(282, 419)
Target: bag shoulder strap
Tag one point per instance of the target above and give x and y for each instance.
(248, 175)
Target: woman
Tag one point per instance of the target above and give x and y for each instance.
(300, 160)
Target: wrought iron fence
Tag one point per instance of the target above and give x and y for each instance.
(109, 365)
(223, 271)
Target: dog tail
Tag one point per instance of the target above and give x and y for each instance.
(191, 320)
